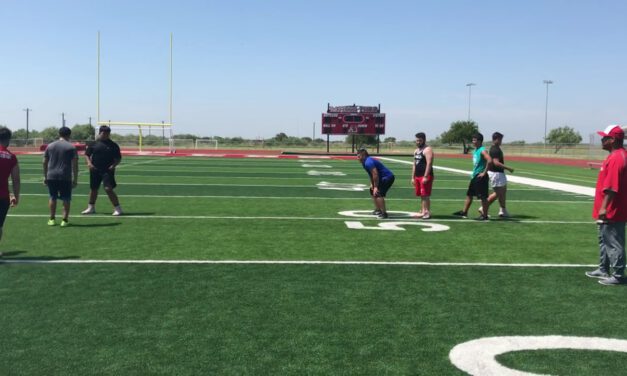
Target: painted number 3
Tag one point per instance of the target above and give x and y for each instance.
(390, 225)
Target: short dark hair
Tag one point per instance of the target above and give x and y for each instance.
(65, 132)
(104, 129)
(421, 135)
(497, 136)
(362, 149)
(5, 135)
(478, 136)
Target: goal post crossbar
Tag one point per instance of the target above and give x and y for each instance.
(137, 124)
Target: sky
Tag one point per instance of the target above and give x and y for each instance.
(257, 68)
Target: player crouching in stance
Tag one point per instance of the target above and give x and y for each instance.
(60, 174)
(381, 179)
(102, 157)
(422, 174)
(8, 167)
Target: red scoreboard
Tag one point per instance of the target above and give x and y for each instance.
(353, 119)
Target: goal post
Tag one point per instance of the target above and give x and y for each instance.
(206, 143)
(144, 132)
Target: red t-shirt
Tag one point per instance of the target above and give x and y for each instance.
(7, 162)
(613, 177)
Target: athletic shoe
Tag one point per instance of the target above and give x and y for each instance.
(376, 212)
(65, 223)
(52, 222)
(419, 215)
(503, 213)
(89, 210)
(480, 210)
(482, 218)
(461, 213)
(117, 212)
(598, 273)
(427, 215)
(382, 215)
(611, 281)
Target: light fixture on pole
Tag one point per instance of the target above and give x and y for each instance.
(470, 85)
(546, 107)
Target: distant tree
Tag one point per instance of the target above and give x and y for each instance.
(49, 134)
(185, 136)
(83, 132)
(562, 136)
(390, 140)
(361, 139)
(281, 137)
(517, 142)
(460, 131)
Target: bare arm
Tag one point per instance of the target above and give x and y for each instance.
(496, 162)
(74, 172)
(374, 180)
(89, 164)
(46, 160)
(609, 196)
(413, 172)
(429, 155)
(15, 179)
(488, 162)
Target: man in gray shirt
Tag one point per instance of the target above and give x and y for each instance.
(60, 174)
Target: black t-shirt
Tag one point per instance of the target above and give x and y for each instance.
(421, 163)
(496, 152)
(103, 153)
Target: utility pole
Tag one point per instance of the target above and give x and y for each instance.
(470, 85)
(27, 111)
(313, 134)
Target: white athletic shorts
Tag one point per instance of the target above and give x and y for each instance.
(497, 179)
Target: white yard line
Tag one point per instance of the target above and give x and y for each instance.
(130, 216)
(570, 188)
(295, 262)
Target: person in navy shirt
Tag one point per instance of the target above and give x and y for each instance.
(381, 179)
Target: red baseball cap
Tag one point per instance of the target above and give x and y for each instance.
(614, 131)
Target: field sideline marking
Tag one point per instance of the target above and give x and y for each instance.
(294, 262)
(434, 220)
(587, 202)
(570, 188)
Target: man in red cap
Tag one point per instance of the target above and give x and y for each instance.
(610, 208)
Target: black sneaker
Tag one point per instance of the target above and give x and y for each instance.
(461, 213)
(376, 212)
(382, 215)
(482, 218)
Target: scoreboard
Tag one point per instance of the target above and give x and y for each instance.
(343, 120)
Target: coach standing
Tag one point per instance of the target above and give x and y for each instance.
(102, 157)
(60, 174)
(610, 208)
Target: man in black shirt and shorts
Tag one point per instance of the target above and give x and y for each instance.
(496, 172)
(102, 158)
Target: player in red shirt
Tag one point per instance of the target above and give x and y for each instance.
(8, 167)
(610, 208)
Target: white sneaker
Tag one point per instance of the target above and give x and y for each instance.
(427, 215)
(117, 212)
(480, 210)
(503, 213)
(89, 210)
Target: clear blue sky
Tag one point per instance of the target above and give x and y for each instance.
(257, 68)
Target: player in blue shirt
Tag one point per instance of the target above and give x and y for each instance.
(381, 179)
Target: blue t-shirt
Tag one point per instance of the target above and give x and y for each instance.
(478, 161)
(383, 171)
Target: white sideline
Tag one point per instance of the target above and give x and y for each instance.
(570, 188)
(294, 262)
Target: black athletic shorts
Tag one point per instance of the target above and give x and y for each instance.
(4, 209)
(106, 177)
(60, 189)
(478, 187)
(384, 186)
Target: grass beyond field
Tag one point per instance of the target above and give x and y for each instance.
(211, 315)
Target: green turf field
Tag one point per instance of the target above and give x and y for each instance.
(311, 296)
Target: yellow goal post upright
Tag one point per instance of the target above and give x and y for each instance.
(139, 126)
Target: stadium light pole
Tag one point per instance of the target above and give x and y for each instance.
(546, 108)
(63, 119)
(27, 111)
(470, 85)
